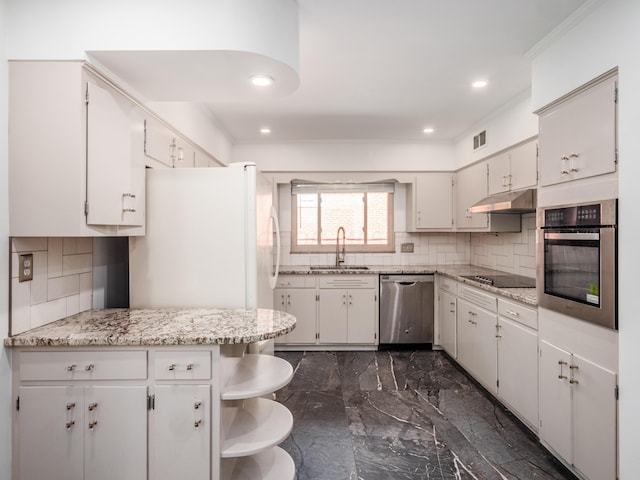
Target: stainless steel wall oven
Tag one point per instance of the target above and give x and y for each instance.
(577, 261)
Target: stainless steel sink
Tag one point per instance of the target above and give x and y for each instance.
(340, 267)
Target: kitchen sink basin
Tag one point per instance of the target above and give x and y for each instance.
(341, 267)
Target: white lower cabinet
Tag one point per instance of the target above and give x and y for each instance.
(297, 295)
(347, 310)
(69, 432)
(182, 432)
(158, 413)
(578, 411)
(477, 348)
(447, 319)
(518, 369)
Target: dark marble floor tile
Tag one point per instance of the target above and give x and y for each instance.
(403, 415)
(320, 443)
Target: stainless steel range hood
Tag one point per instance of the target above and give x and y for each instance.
(522, 201)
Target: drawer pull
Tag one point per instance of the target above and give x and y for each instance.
(93, 424)
(197, 405)
(89, 367)
(71, 368)
(190, 366)
(172, 367)
(513, 313)
(93, 406)
(197, 423)
(71, 405)
(70, 424)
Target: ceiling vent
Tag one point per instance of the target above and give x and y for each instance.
(479, 140)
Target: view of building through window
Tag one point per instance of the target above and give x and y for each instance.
(364, 216)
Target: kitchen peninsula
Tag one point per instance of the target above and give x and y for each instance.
(153, 393)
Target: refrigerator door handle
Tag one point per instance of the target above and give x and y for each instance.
(273, 281)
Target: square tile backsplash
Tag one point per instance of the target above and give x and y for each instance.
(61, 285)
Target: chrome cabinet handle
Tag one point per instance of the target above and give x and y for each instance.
(70, 424)
(197, 405)
(71, 405)
(89, 367)
(197, 423)
(498, 327)
(71, 368)
(92, 406)
(190, 366)
(513, 313)
(561, 376)
(93, 424)
(563, 165)
(172, 367)
(572, 166)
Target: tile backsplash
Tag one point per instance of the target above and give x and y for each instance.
(61, 285)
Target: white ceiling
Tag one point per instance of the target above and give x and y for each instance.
(384, 70)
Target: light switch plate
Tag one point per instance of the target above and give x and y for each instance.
(26, 267)
(406, 248)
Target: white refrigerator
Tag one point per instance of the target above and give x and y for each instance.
(209, 240)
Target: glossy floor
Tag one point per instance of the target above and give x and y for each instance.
(402, 415)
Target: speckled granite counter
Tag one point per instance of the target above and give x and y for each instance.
(455, 272)
(151, 327)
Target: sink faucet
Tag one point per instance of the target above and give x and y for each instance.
(340, 254)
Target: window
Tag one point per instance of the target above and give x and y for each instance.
(364, 210)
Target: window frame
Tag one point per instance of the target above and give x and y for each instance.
(389, 247)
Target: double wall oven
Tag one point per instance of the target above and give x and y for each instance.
(577, 259)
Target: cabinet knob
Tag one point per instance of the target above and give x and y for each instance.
(93, 424)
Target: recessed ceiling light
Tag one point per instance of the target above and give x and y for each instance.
(261, 80)
(428, 130)
(265, 131)
(479, 84)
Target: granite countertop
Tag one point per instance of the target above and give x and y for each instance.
(455, 272)
(163, 326)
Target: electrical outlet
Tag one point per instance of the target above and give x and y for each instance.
(406, 248)
(26, 267)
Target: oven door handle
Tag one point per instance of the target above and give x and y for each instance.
(571, 236)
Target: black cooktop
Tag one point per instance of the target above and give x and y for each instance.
(503, 280)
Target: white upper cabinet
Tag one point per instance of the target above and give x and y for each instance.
(514, 169)
(471, 187)
(430, 202)
(72, 166)
(578, 136)
(115, 175)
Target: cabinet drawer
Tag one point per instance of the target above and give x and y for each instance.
(182, 365)
(349, 281)
(83, 365)
(481, 299)
(448, 285)
(296, 281)
(518, 313)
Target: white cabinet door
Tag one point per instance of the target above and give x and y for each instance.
(477, 350)
(159, 142)
(361, 321)
(578, 137)
(432, 202)
(523, 166)
(499, 174)
(518, 368)
(50, 433)
(447, 316)
(471, 187)
(594, 420)
(182, 432)
(332, 316)
(112, 414)
(555, 399)
(301, 303)
(115, 194)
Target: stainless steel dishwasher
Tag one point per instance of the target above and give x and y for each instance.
(406, 310)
